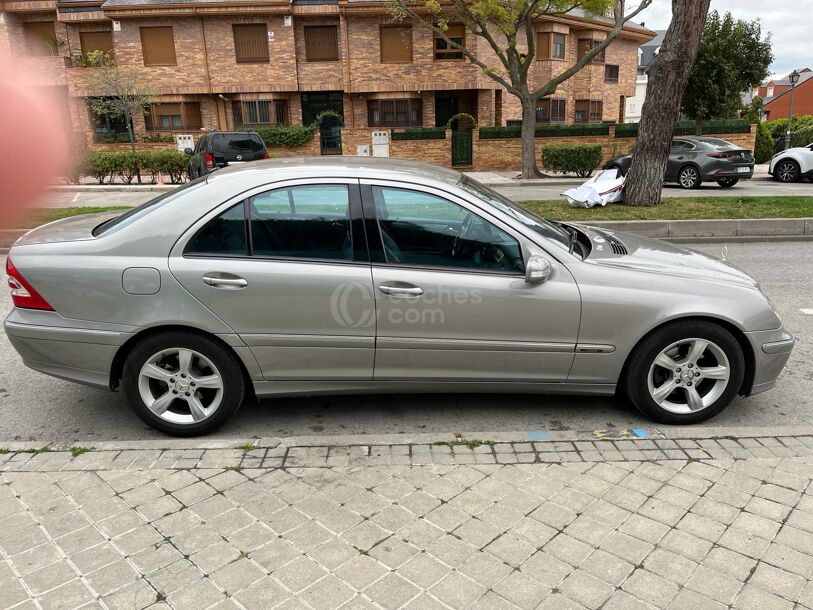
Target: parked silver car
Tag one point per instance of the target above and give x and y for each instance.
(347, 275)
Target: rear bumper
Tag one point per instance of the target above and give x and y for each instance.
(729, 173)
(771, 348)
(75, 354)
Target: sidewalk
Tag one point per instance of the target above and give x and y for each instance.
(613, 523)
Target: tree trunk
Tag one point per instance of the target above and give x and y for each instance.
(668, 74)
(131, 135)
(698, 124)
(529, 167)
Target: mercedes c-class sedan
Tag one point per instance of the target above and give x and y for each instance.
(349, 275)
(694, 160)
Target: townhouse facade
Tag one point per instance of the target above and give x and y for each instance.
(223, 64)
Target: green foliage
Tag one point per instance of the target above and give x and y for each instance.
(579, 159)
(93, 59)
(802, 137)
(291, 136)
(77, 451)
(125, 165)
(541, 131)
(763, 149)
(464, 116)
(732, 57)
(778, 127)
(157, 136)
(752, 112)
(420, 133)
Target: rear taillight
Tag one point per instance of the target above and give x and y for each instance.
(718, 155)
(266, 156)
(22, 293)
(210, 161)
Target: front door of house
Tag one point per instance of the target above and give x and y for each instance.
(330, 134)
(445, 108)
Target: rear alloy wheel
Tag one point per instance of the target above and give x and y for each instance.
(727, 182)
(786, 170)
(689, 177)
(685, 373)
(183, 384)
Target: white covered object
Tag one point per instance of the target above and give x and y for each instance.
(603, 188)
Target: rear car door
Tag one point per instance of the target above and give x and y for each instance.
(451, 298)
(287, 269)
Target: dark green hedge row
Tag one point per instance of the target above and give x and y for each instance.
(126, 165)
(687, 128)
(579, 159)
(543, 131)
(420, 133)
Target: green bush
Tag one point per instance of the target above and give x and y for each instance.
(580, 159)
(126, 165)
(778, 127)
(763, 149)
(802, 137)
(286, 136)
(420, 133)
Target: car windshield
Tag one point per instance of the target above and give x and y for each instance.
(235, 144)
(134, 214)
(547, 229)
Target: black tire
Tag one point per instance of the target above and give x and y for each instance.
(786, 170)
(727, 183)
(636, 375)
(689, 177)
(234, 383)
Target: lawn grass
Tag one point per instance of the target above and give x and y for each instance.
(39, 216)
(682, 208)
(670, 208)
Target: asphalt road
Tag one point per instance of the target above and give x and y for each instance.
(517, 193)
(34, 407)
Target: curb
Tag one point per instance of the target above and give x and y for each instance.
(741, 230)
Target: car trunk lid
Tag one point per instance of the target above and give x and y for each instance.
(74, 228)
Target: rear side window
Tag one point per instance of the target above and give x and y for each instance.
(302, 222)
(226, 234)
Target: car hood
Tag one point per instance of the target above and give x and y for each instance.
(67, 229)
(650, 255)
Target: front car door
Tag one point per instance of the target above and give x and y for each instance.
(677, 157)
(287, 269)
(451, 295)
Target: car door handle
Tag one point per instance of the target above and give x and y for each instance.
(233, 283)
(404, 290)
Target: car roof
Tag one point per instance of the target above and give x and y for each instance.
(336, 166)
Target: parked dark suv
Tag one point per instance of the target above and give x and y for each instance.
(220, 148)
(697, 159)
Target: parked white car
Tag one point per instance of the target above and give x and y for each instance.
(792, 164)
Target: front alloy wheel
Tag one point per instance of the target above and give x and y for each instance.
(786, 171)
(689, 177)
(684, 372)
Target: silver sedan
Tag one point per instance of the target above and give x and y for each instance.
(349, 275)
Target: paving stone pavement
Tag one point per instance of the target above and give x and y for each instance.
(584, 524)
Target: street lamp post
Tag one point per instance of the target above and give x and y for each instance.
(793, 77)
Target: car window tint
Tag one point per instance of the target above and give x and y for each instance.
(310, 221)
(225, 234)
(422, 229)
(235, 144)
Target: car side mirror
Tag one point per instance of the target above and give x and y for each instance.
(188, 151)
(537, 270)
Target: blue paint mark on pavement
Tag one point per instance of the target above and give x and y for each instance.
(538, 435)
(639, 432)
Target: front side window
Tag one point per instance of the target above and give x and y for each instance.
(422, 229)
(309, 221)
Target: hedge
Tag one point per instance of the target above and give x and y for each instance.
(763, 148)
(420, 133)
(515, 131)
(688, 128)
(579, 159)
(126, 165)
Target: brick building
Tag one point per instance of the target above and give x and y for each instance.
(217, 64)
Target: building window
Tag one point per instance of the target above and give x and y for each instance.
(551, 45)
(250, 43)
(261, 112)
(96, 41)
(158, 46)
(586, 45)
(173, 116)
(321, 43)
(589, 111)
(396, 43)
(611, 73)
(395, 113)
(443, 50)
(550, 110)
(40, 38)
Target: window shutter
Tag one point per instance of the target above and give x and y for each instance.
(251, 42)
(96, 41)
(192, 111)
(321, 43)
(543, 45)
(396, 43)
(158, 46)
(40, 38)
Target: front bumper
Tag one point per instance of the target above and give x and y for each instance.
(771, 348)
(80, 355)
